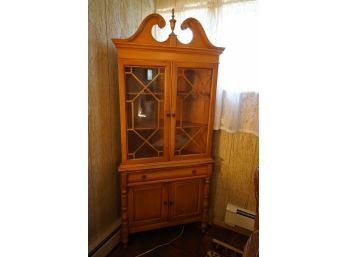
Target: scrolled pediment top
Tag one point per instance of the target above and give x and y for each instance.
(199, 38)
(143, 36)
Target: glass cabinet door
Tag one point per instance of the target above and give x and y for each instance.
(193, 88)
(144, 89)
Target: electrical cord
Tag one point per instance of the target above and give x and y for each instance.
(158, 246)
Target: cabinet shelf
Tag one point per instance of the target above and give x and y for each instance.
(178, 93)
(193, 94)
(148, 125)
(145, 93)
(186, 124)
(154, 128)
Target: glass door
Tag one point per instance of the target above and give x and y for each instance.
(145, 106)
(192, 104)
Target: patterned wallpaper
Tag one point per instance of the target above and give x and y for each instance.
(236, 157)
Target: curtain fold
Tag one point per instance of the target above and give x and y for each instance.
(230, 24)
(240, 112)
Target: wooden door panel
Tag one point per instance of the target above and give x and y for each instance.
(144, 101)
(147, 204)
(185, 199)
(193, 92)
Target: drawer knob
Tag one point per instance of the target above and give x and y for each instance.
(194, 171)
(171, 202)
(143, 176)
(165, 202)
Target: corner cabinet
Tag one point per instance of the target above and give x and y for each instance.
(167, 97)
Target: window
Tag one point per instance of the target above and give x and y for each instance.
(233, 25)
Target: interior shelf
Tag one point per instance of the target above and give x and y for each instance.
(194, 94)
(179, 93)
(145, 93)
(186, 124)
(146, 125)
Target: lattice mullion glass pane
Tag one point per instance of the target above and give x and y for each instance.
(145, 112)
(198, 137)
(181, 139)
(145, 74)
(157, 140)
(191, 133)
(156, 86)
(130, 110)
(146, 151)
(192, 110)
(134, 141)
(144, 86)
(160, 121)
(133, 86)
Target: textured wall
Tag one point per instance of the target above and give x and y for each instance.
(236, 155)
(106, 19)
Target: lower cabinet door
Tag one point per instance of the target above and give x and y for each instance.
(147, 204)
(185, 199)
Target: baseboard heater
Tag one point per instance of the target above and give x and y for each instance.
(239, 217)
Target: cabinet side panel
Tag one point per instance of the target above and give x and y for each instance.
(121, 99)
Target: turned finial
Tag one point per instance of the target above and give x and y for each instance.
(172, 22)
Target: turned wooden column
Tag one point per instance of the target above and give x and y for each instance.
(205, 204)
(124, 210)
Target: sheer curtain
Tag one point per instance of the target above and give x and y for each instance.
(230, 24)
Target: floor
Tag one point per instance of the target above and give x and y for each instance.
(192, 243)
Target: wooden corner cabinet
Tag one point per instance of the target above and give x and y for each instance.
(167, 97)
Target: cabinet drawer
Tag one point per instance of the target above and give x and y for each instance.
(166, 174)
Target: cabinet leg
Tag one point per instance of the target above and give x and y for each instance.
(205, 204)
(203, 227)
(124, 238)
(124, 211)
